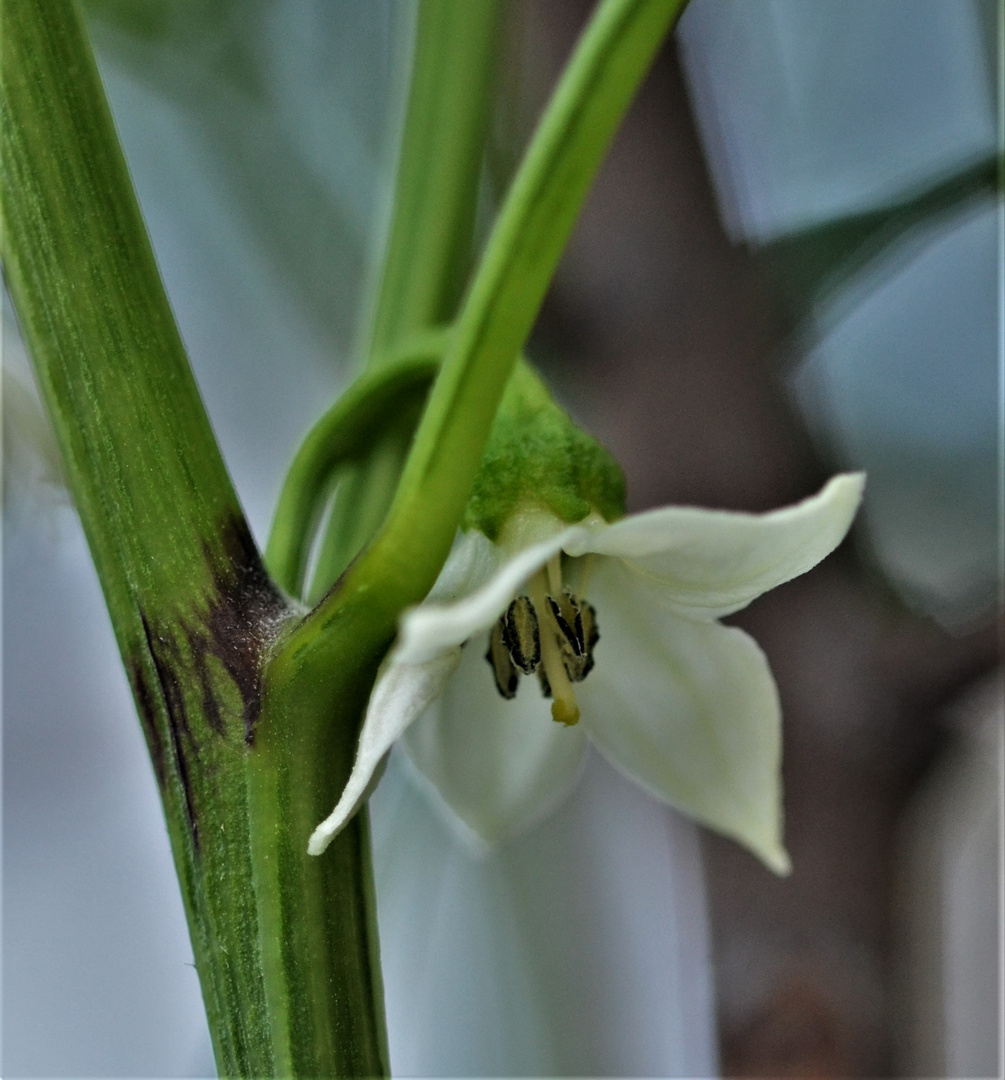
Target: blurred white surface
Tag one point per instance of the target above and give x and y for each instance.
(578, 949)
(949, 878)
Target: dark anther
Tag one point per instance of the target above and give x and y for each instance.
(567, 617)
(498, 656)
(591, 635)
(515, 642)
(522, 636)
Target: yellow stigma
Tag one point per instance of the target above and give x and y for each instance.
(565, 712)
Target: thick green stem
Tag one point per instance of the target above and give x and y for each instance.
(194, 613)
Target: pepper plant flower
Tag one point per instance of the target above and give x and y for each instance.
(557, 621)
(683, 705)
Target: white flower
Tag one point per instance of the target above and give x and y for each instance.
(683, 705)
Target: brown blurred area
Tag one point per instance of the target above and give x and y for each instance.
(667, 341)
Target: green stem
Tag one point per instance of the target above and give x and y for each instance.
(430, 242)
(364, 493)
(193, 611)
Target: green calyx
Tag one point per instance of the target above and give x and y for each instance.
(537, 457)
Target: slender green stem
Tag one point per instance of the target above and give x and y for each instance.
(429, 248)
(537, 217)
(427, 258)
(193, 611)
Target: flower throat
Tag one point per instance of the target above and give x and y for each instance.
(549, 631)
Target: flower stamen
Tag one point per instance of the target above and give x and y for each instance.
(568, 618)
(591, 635)
(550, 632)
(498, 656)
(554, 571)
(522, 635)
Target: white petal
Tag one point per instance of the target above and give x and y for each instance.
(401, 693)
(499, 765)
(431, 627)
(472, 561)
(710, 563)
(689, 710)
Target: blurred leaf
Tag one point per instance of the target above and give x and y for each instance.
(215, 34)
(807, 265)
(155, 19)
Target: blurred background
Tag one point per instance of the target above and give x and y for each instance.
(790, 265)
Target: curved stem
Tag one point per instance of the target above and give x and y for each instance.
(345, 433)
(362, 497)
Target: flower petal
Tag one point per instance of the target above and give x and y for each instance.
(431, 627)
(689, 710)
(499, 765)
(401, 693)
(472, 561)
(714, 562)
